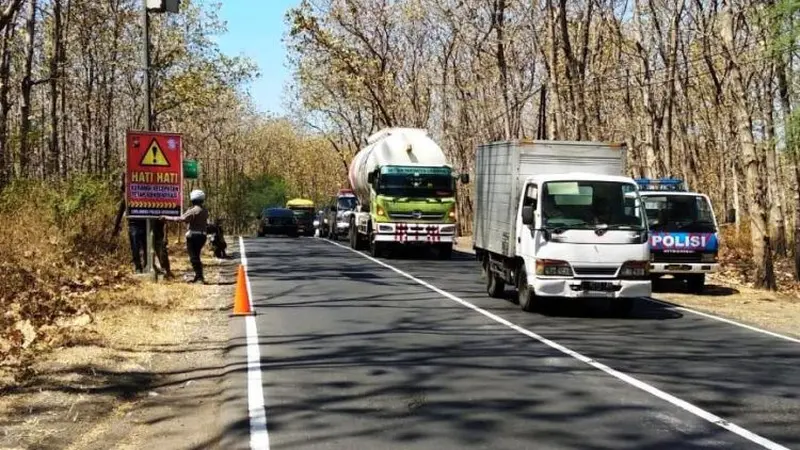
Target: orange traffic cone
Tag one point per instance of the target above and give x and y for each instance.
(241, 304)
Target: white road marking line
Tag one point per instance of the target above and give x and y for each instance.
(686, 406)
(257, 409)
(722, 319)
(718, 318)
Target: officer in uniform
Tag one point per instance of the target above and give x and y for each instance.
(196, 219)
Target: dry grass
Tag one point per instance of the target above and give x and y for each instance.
(60, 265)
(107, 367)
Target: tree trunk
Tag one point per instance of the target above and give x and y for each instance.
(755, 188)
(25, 93)
(556, 118)
(498, 20)
(774, 184)
(5, 104)
(56, 62)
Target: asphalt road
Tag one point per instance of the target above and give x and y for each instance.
(355, 355)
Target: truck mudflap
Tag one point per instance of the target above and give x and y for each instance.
(666, 268)
(582, 288)
(415, 233)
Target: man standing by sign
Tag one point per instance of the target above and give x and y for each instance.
(196, 219)
(154, 181)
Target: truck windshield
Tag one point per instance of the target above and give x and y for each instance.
(591, 204)
(346, 203)
(689, 213)
(413, 185)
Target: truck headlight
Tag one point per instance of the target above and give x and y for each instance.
(708, 258)
(380, 211)
(635, 269)
(553, 268)
(452, 213)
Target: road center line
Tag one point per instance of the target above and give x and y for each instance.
(686, 406)
(257, 410)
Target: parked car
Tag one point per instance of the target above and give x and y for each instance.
(278, 221)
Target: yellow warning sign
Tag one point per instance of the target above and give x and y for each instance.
(154, 156)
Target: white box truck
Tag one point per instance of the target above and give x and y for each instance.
(559, 219)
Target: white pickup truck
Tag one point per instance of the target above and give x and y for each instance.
(559, 219)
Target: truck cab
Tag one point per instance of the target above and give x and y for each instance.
(684, 235)
(582, 235)
(338, 214)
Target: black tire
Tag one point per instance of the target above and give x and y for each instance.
(696, 283)
(353, 237)
(525, 297)
(446, 251)
(376, 249)
(621, 307)
(495, 286)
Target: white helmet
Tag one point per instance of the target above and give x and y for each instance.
(197, 194)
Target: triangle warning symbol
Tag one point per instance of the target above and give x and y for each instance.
(154, 156)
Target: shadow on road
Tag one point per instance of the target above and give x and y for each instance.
(354, 351)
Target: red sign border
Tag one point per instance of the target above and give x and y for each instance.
(128, 134)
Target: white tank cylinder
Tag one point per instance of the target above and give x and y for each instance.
(392, 146)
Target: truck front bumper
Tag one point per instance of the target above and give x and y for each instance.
(341, 227)
(658, 268)
(422, 233)
(585, 288)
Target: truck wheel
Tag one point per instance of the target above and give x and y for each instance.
(376, 249)
(446, 251)
(621, 307)
(495, 286)
(353, 238)
(696, 283)
(524, 294)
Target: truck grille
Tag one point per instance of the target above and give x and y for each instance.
(420, 216)
(595, 271)
(694, 257)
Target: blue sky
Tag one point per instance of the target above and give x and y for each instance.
(255, 29)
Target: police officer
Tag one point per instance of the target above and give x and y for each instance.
(196, 219)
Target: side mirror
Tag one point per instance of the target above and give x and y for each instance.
(371, 177)
(527, 215)
(730, 217)
(464, 178)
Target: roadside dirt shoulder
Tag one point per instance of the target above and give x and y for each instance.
(776, 312)
(146, 373)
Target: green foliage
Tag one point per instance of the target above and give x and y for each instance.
(242, 198)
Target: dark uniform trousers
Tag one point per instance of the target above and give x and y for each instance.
(195, 241)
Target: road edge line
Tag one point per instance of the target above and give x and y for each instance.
(641, 385)
(704, 314)
(256, 406)
(723, 319)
